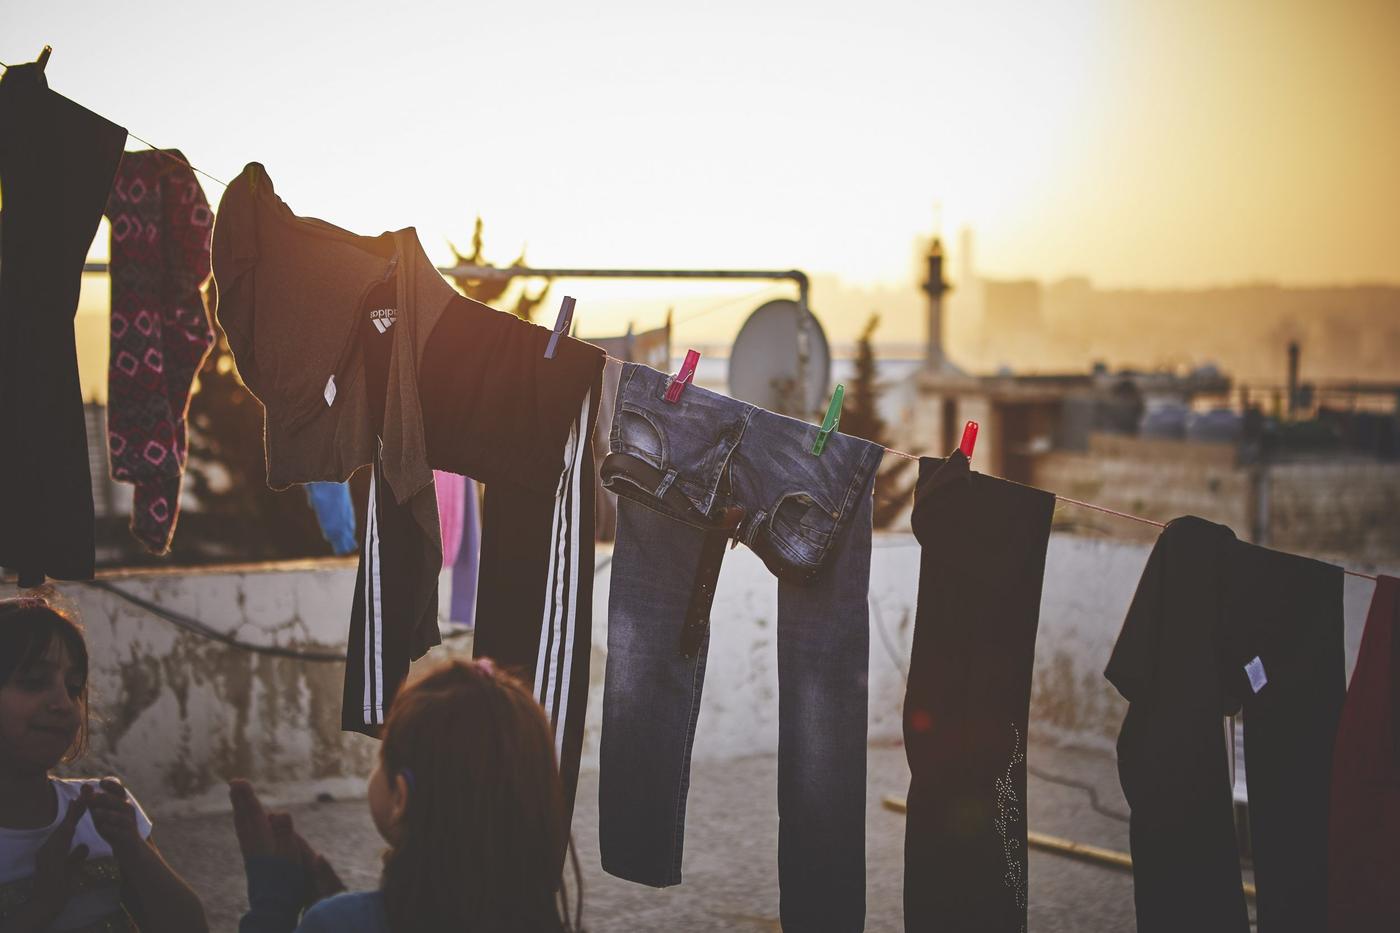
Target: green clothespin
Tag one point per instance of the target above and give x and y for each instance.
(833, 417)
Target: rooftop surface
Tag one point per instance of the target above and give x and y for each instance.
(730, 868)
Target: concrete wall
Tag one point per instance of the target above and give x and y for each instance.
(178, 714)
(1158, 479)
(1335, 507)
(1332, 506)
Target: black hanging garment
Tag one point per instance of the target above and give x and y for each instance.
(1218, 625)
(380, 646)
(1172, 757)
(495, 409)
(56, 166)
(1364, 854)
(362, 354)
(968, 701)
(1284, 660)
(293, 296)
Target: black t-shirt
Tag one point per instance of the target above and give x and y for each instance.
(1171, 749)
(378, 312)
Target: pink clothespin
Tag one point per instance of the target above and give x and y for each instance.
(683, 378)
(969, 439)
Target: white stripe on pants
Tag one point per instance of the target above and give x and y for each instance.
(374, 628)
(561, 601)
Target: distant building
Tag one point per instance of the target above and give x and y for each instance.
(935, 287)
(1304, 467)
(1011, 309)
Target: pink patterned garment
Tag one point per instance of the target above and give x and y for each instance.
(160, 330)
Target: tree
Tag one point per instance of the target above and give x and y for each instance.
(860, 417)
(488, 290)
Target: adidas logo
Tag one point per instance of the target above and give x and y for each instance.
(383, 318)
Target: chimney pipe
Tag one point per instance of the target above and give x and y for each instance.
(1293, 379)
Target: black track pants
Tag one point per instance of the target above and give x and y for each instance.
(965, 713)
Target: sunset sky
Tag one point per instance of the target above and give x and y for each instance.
(1179, 142)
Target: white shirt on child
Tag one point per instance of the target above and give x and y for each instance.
(98, 894)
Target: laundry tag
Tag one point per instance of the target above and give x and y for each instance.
(1255, 670)
(330, 391)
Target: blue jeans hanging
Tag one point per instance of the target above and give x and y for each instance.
(690, 476)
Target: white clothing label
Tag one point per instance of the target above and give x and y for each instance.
(330, 390)
(383, 318)
(1255, 670)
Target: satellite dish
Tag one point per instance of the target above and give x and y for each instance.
(781, 360)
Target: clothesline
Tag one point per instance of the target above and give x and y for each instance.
(174, 158)
(889, 450)
(165, 152)
(1065, 499)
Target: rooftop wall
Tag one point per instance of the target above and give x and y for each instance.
(178, 714)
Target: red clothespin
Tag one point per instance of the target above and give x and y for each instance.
(969, 439)
(561, 326)
(683, 378)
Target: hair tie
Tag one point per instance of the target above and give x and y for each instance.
(487, 665)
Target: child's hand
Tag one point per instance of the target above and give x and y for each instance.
(114, 816)
(55, 867)
(322, 881)
(261, 833)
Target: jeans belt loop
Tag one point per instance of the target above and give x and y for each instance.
(752, 528)
(665, 484)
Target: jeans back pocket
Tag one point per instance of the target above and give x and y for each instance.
(795, 536)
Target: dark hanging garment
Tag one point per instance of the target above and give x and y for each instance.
(968, 700)
(1284, 660)
(1218, 626)
(1172, 758)
(294, 295)
(56, 165)
(160, 331)
(496, 410)
(379, 647)
(1364, 855)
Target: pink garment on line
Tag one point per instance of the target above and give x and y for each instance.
(451, 502)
